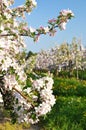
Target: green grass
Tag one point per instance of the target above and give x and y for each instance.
(69, 87)
(9, 126)
(69, 112)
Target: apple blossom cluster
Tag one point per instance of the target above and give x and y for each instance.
(9, 64)
(33, 102)
(6, 3)
(27, 7)
(42, 97)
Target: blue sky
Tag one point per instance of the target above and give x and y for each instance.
(48, 9)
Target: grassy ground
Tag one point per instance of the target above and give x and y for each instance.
(69, 112)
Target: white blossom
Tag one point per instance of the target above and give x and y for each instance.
(66, 12)
(62, 26)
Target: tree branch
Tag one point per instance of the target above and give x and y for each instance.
(23, 96)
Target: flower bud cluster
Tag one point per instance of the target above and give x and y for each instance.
(43, 99)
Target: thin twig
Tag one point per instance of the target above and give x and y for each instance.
(23, 96)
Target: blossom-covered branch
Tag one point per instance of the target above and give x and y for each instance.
(23, 29)
(14, 88)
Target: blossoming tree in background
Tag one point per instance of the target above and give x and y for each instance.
(26, 103)
(67, 56)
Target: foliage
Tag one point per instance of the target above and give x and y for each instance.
(81, 74)
(73, 73)
(69, 87)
